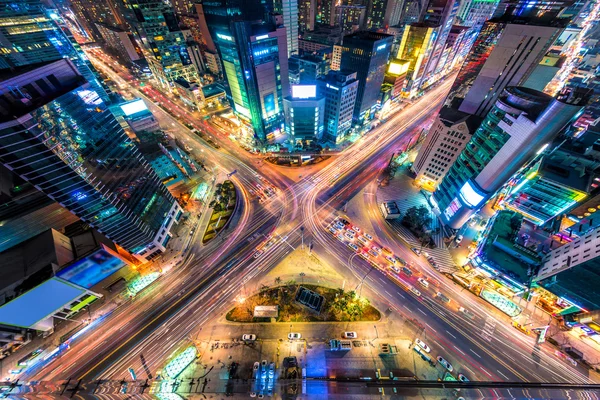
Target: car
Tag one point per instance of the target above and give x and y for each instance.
(368, 236)
(332, 230)
(466, 312)
(459, 239)
(353, 246)
(248, 337)
(365, 255)
(340, 237)
(462, 378)
(376, 249)
(294, 336)
(373, 253)
(422, 345)
(395, 269)
(349, 236)
(391, 260)
(356, 229)
(407, 271)
(363, 240)
(423, 282)
(350, 335)
(351, 232)
(258, 253)
(256, 366)
(415, 291)
(416, 251)
(400, 261)
(445, 363)
(442, 297)
(386, 250)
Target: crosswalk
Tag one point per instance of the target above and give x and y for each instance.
(488, 329)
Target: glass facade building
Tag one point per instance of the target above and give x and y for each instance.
(367, 53)
(27, 35)
(518, 125)
(57, 133)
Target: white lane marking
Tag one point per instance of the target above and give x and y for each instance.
(488, 374)
(388, 293)
(451, 334)
(506, 377)
(475, 353)
(429, 326)
(406, 307)
(400, 294)
(459, 350)
(421, 311)
(383, 280)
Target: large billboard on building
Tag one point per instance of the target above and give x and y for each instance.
(92, 269)
(39, 303)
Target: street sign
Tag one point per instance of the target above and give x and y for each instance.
(132, 373)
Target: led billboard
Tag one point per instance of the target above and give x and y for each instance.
(133, 107)
(39, 303)
(470, 195)
(92, 269)
(304, 91)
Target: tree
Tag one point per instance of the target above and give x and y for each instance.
(216, 205)
(278, 281)
(416, 219)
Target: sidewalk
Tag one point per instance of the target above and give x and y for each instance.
(406, 195)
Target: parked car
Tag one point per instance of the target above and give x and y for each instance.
(248, 337)
(422, 345)
(423, 282)
(350, 335)
(462, 378)
(294, 336)
(416, 251)
(445, 363)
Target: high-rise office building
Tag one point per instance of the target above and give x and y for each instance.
(380, 12)
(289, 11)
(350, 18)
(254, 57)
(155, 24)
(506, 51)
(339, 89)
(28, 36)
(504, 54)
(412, 12)
(439, 13)
(57, 134)
(119, 41)
(307, 68)
(521, 121)
(453, 49)
(307, 15)
(447, 137)
(366, 53)
(304, 113)
(417, 43)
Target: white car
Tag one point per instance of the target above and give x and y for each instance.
(356, 229)
(415, 291)
(423, 282)
(294, 336)
(422, 345)
(368, 236)
(258, 253)
(459, 239)
(353, 246)
(350, 335)
(248, 337)
(376, 249)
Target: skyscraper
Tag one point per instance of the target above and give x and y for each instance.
(521, 121)
(28, 36)
(90, 12)
(254, 57)
(58, 134)
(307, 15)
(289, 10)
(417, 43)
(366, 53)
(155, 24)
(503, 54)
(339, 89)
(473, 13)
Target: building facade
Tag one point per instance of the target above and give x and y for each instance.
(520, 123)
(339, 88)
(304, 114)
(367, 53)
(155, 24)
(89, 165)
(307, 15)
(289, 10)
(119, 41)
(417, 43)
(447, 137)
